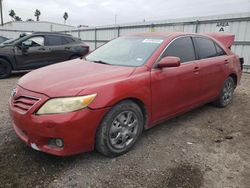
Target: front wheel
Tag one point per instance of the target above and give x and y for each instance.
(5, 69)
(120, 129)
(226, 94)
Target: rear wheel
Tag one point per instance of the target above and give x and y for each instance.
(120, 129)
(226, 94)
(5, 69)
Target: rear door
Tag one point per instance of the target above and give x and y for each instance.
(176, 89)
(212, 62)
(60, 49)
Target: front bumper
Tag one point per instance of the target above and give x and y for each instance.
(77, 129)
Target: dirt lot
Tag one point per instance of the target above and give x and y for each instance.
(208, 147)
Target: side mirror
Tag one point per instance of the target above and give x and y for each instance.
(169, 61)
(27, 43)
(24, 46)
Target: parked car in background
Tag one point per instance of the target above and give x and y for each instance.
(2, 39)
(127, 85)
(12, 40)
(39, 49)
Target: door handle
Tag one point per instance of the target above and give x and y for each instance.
(226, 62)
(196, 70)
(25, 52)
(67, 48)
(41, 49)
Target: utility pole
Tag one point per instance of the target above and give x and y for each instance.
(1, 10)
(115, 19)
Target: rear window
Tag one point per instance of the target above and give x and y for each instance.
(219, 50)
(69, 40)
(52, 40)
(205, 47)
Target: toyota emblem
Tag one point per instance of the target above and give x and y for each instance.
(14, 92)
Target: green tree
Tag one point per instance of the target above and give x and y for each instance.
(37, 14)
(17, 18)
(65, 17)
(12, 14)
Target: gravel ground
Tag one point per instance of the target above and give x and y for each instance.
(207, 147)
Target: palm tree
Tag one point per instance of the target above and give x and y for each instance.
(37, 14)
(65, 17)
(12, 14)
(29, 20)
(17, 18)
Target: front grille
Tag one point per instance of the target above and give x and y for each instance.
(24, 103)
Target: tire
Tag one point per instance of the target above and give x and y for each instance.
(226, 94)
(5, 69)
(120, 129)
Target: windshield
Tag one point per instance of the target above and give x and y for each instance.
(126, 51)
(10, 41)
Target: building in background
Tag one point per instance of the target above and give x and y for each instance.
(14, 28)
(237, 24)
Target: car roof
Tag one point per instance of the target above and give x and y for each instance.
(166, 34)
(51, 33)
(225, 39)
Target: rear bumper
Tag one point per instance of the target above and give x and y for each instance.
(77, 129)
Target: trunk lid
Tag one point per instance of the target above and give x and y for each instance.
(226, 39)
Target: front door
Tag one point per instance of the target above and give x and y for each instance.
(176, 89)
(32, 53)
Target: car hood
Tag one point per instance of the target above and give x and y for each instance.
(71, 77)
(6, 49)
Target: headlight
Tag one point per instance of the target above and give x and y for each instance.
(66, 104)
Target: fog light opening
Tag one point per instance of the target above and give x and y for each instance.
(59, 142)
(56, 142)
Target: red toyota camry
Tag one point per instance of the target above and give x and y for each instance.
(132, 83)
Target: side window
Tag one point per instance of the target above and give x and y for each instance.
(54, 40)
(34, 41)
(69, 40)
(205, 48)
(64, 41)
(219, 50)
(182, 48)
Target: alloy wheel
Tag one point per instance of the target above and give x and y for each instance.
(228, 91)
(123, 130)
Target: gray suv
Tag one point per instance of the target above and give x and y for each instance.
(39, 49)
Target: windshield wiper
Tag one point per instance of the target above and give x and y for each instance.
(101, 62)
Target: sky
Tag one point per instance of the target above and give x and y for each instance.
(103, 12)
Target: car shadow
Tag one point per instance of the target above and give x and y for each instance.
(21, 166)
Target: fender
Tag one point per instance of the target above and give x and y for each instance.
(11, 60)
(137, 87)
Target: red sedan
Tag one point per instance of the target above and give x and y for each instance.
(129, 84)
